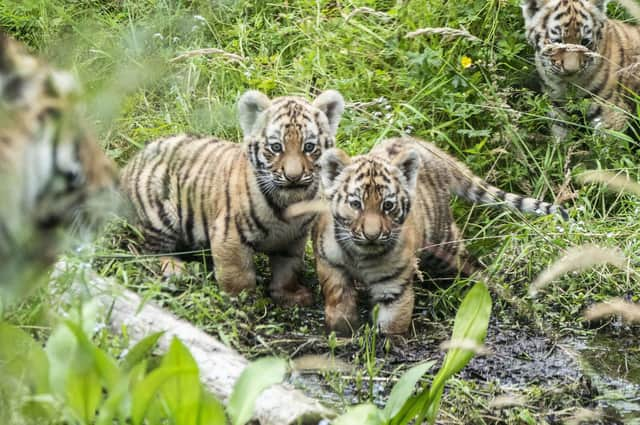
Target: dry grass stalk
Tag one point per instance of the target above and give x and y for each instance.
(616, 182)
(444, 31)
(567, 47)
(208, 51)
(632, 70)
(465, 344)
(317, 206)
(318, 362)
(504, 401)
(628, 311)
(578, 259)
(367, 11)
(583, 415)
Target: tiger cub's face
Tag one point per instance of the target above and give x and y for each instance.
(285, 138)
(553, 23)
(56, 168)
(370, 198)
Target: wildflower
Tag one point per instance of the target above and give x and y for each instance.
(466, 62)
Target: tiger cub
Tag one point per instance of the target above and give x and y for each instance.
(52, 170)
(388, 214)
(193, 192)
(578, 49)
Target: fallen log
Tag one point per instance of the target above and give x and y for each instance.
(220, 366)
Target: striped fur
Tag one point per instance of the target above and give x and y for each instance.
(192, 193)
(51, 168)
(390, 216)
(579, 51)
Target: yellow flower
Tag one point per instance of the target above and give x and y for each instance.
(466, 62)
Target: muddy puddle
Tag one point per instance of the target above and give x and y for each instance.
(600, 372)
(613, 364)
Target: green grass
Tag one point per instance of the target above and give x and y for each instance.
(488, 115)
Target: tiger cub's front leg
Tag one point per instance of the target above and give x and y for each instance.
(233, 261)
(340, 299)
(395, 299)
(287, 267)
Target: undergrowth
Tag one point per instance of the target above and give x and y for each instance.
(476, 98)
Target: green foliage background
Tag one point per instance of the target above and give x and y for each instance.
(491, 115)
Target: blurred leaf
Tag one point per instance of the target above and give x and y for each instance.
(112, 404)
(211, 411)
(404, 388)
(181, 392)
(255, 378)
(363, 414)
(83, 393)
(140, 351)
(104, 365)
(60, 350)
(146, 391)
(22, 357)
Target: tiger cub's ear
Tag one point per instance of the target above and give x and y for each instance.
(409, 165)
(250, 106)
(531, 7)
(331, 104)
(332, 162)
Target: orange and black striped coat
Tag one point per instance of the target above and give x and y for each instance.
(192, 193)
(579, 51)
(388, 217)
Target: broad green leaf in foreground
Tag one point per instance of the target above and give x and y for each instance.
(471, 323)
(181, 393)
(21, 356)
(140, 351)
(403, 389)
(211, 411)
(254, 379)
(146, 391)
(363, 414)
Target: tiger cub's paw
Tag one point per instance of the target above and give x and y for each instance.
(343, 324)
(170, 267)
(292, 294)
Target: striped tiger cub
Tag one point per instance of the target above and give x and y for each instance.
(193, 192)
(388, 217)
(52, 170)
(580, 52)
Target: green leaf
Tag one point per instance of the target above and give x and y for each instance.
(255, 378)
(83, 393)
(140, 351)
(211, 411)
(472, 321)
(61, 351)
(105, 365)
(21, 357)
(145, 391)
(181, 393)
(363, 414)
(112, 404)
(403, 389)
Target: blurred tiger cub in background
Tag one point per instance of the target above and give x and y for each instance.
(389, 214)
(579, 50)
(51, 167)
(193, 193)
